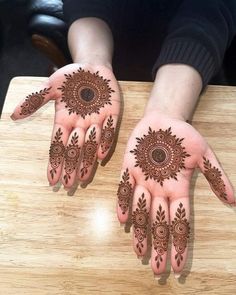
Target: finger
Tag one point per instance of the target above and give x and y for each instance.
(217, 178)
(89, 153)
(140, 219)
(56, 153)
(180, 231)
(71, 158)
(160, 234)
(107, 136)
(32, 103)
(124, 195)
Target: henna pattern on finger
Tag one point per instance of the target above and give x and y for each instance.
(56, 152)
(85, 93)
(214, 177)
(180, 230)
(125, 192)
(140, 222)
(72, 154)
(107, 136)
(89, 152)
(160, 233)
(33, 102)
(160, 155)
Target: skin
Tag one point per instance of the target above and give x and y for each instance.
(169, 106)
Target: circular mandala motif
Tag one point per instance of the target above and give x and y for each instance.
(160, 155)
(56, 150)
(85, 93)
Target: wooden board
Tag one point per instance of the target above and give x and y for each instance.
(52, 243)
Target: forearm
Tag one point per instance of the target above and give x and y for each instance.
(175, 91)
(90, 41)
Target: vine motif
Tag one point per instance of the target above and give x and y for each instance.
(107, 136)
(124, 192)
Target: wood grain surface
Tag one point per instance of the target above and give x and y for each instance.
(52, 243)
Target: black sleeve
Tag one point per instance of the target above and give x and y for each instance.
(199, 35)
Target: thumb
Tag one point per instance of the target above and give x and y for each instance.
(217, 178)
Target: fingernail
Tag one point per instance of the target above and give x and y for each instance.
(140, 257)
(13, 117)
(157, 277)
(99, 161)
(177, 275)
(122, 224)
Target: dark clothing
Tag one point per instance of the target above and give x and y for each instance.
(151, 33)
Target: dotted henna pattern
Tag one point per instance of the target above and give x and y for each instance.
(56, 152)
(125, 192)
(213, 175)
(89, 152)
(180, 230)
(160, 155)
(72, 153)
(85, 93)
(140, 222)
(33, 102)
(160, 233)
(107, 136)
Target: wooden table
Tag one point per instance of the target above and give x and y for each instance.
(52, 243)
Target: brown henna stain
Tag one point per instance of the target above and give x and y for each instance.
(180, 230)
(107, 136)
(33, 102)
(160, 233)
(140, 222)
(56, 152)
(72, 153)
(214, 177)
(160, 155)
(85, 93)
(89, 152)
(125, 192)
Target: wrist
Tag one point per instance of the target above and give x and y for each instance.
(93, 60)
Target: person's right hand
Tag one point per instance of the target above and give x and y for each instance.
(87, 106)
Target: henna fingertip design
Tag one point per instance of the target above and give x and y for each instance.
(125, 192)
(107, 136)
(180, 231)
(140, 222)
(214, 177)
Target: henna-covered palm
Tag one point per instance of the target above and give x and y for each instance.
(159, 161)
(87, 106)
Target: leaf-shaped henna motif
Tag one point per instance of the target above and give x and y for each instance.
(33, 102)
(107, 136)
(214, 177)
(180, 231)
(72, 154)
(160, 155)
(85, 93)
(89, 152)
(160, 233)
(140, 222)
(124, 192)
(56, 152)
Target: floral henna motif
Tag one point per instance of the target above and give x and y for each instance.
(160, 233)
(125, 192)
(213, 175)
(107, 136)
(33, 102)
(90, 150)
(140, 222)
(180, 230)
(85, 93)
(160, 155)
(72, 154)
(56, 152)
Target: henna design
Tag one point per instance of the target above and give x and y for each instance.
(160, 233)
(56, 152)
(140, 221)
(33, 102)
(213, 175)
(160, 155)
(85, 93)
(125, 192)
(107, 136)
(90, 149)
(180, 230)
(72, 154)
